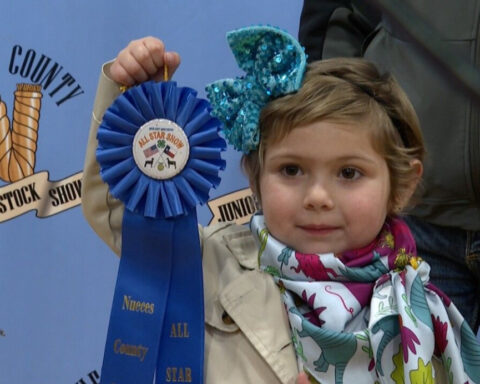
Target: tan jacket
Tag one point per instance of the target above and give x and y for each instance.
(247, 336)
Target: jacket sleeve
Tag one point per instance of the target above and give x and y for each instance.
(103, 212)
(336, 28)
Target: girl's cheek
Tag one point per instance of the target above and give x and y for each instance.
(368, 205)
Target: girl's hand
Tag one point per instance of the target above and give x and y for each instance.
(142, 60)
(302, 378)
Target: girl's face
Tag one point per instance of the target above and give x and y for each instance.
(324, 188)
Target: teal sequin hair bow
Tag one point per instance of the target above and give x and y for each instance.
(274, 63)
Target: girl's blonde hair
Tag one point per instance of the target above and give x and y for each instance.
(348, 90)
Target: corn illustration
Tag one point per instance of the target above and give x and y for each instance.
(18, 146)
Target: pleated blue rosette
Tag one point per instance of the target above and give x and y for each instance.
(159, 151)
(274, 63)
(139, 192)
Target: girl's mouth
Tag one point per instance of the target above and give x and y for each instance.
(318, 229)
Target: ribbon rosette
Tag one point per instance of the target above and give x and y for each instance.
(159, 151)
(138, 191)
(274, 63)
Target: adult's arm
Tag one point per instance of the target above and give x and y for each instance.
(335, 28)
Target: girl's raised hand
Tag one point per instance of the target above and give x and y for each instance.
(142, 60)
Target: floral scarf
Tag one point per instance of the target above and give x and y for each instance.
(371, 315)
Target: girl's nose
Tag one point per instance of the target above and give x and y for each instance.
(317, 196)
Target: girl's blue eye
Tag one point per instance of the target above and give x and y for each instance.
(291, 170)
(349, 173)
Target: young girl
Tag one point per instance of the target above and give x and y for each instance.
(326, 279)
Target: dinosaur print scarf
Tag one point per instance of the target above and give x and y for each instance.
(371, 315)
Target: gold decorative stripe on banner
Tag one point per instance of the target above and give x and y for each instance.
(37, 192)
(238, 206)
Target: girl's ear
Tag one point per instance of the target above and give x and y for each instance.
(417, 172)
(417, 168)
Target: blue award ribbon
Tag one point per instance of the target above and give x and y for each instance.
(159, 151)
